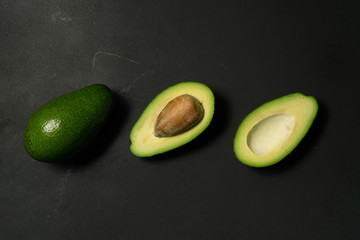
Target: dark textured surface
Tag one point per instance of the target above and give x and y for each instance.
(248, 52)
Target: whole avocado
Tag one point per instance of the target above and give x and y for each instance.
(65, 125)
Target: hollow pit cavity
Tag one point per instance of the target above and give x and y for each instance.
(270, 133)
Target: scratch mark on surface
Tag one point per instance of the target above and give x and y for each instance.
(53, 76)
(110, 54)
(136, 99)
(44, 2)
(60, 16)
(62, 190)
(63, 182)
(127, 88)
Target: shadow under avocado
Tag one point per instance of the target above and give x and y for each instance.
(96, 148)
(305, 146)
(217, 127)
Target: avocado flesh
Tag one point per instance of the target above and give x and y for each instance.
(273, 130)
(144, 143)
(65, 125)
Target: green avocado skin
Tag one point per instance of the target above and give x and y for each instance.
(65, 125)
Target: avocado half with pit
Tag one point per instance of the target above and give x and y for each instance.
(273, 130)
(173, 118)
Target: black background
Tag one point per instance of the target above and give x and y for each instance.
(247, 52)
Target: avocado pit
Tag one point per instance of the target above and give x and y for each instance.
(178, 116)
(271, 133)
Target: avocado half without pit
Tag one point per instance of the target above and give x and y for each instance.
(173, 118)
(273, 130)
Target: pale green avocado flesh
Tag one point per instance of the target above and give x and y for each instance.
(144, 143)
(65, 125)
(273, 130)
